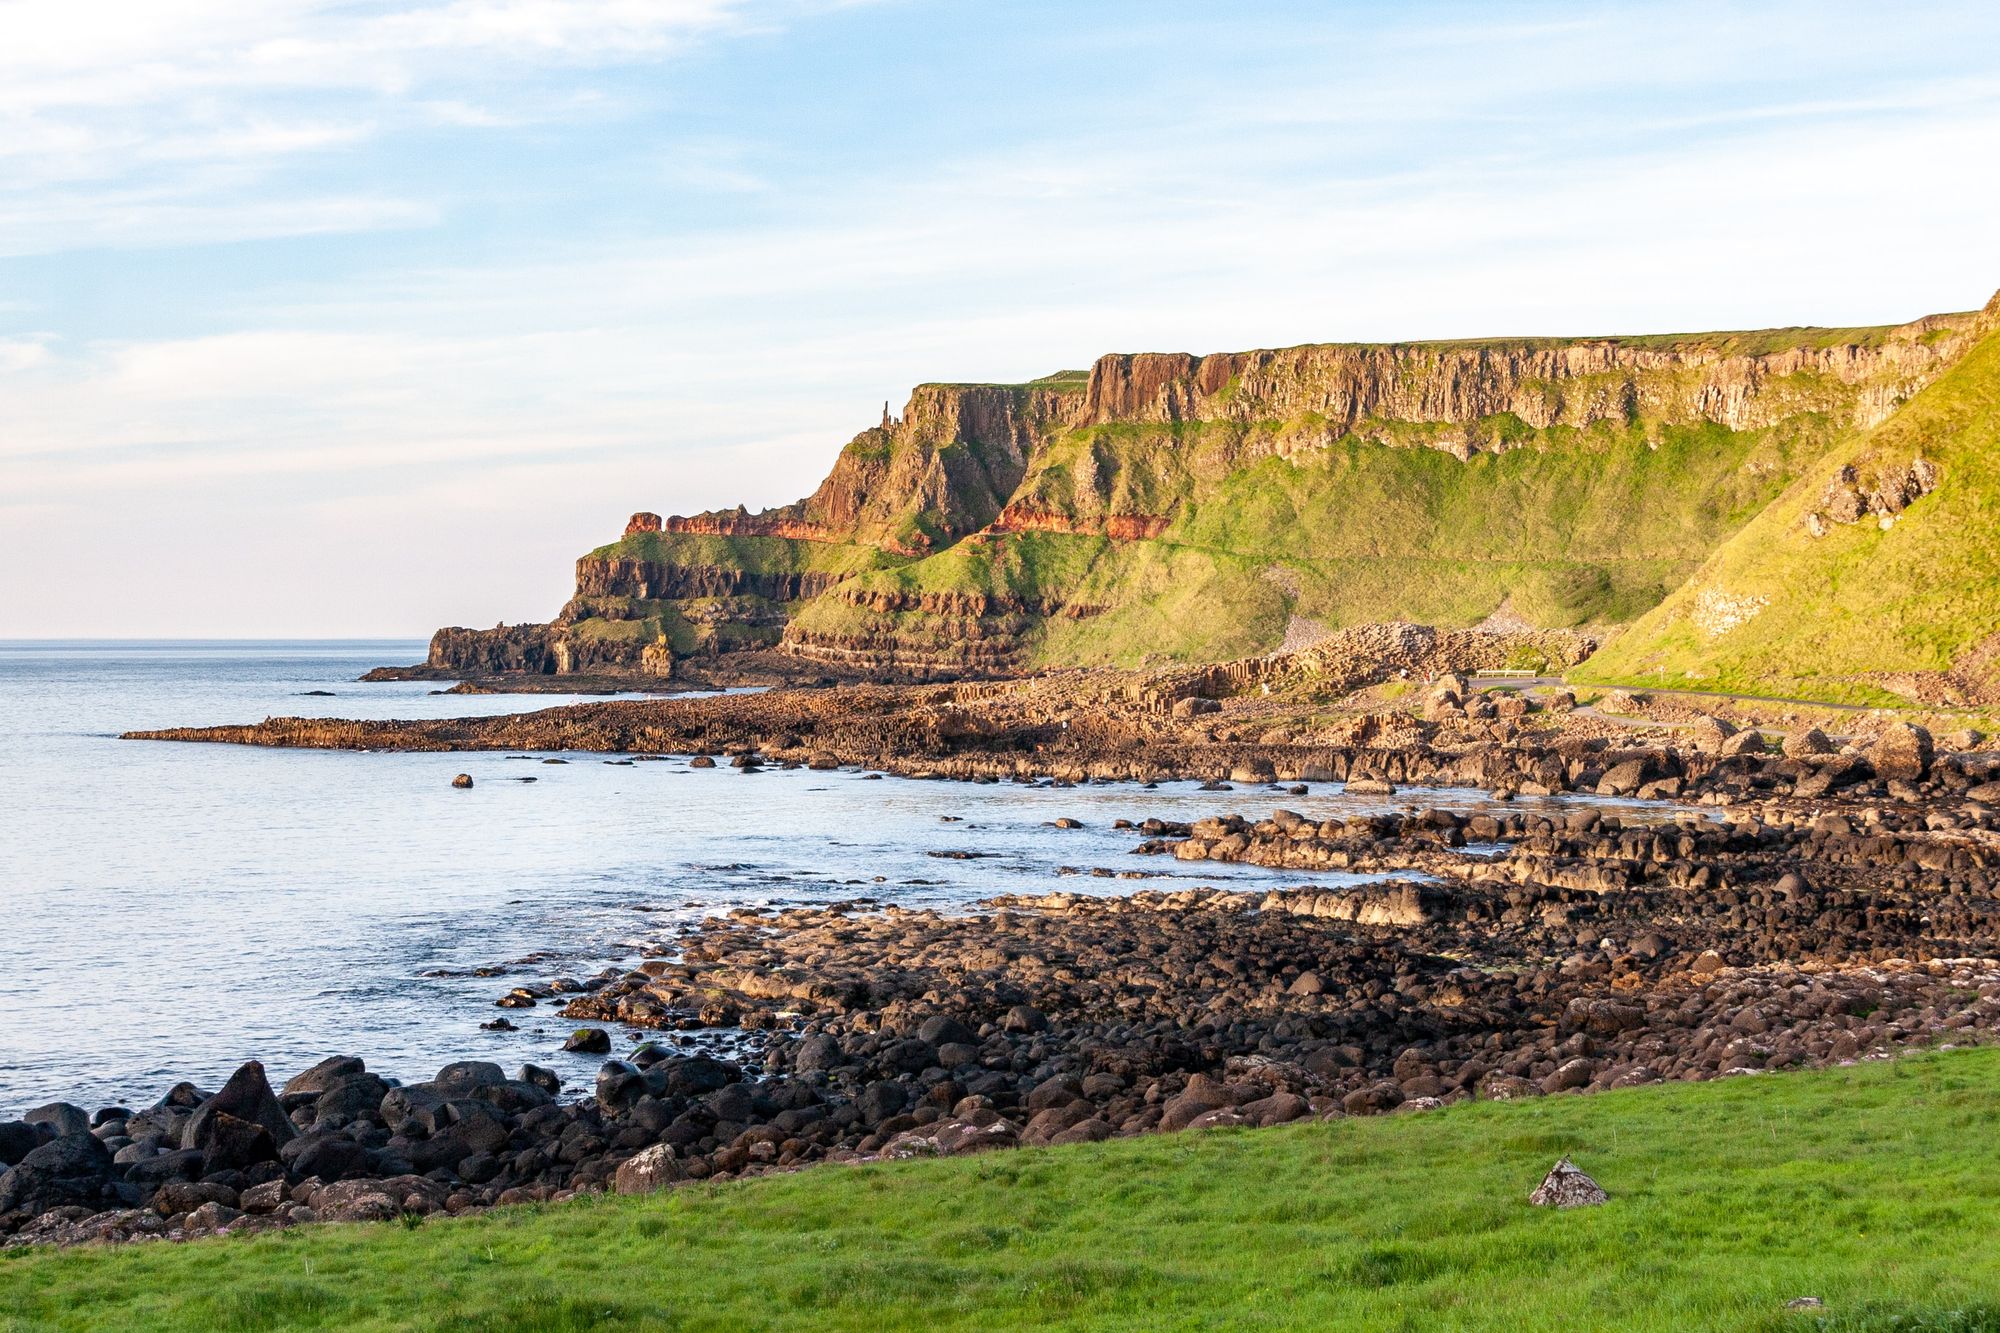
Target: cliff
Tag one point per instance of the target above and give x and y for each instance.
(1172, 507)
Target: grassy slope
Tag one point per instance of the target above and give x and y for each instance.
(1573, 527)
(759, 555)
(1873, 1188)
(1860, 599)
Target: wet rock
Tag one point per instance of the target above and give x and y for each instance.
(462, 781)
(588, 1041)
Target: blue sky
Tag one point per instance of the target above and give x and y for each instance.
(343, 318)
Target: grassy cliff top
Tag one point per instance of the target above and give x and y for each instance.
(756, 555)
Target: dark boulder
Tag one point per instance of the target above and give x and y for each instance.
(329, 1157)
(619, 1084)
(247, 1097)
(180, 1164)
(943, 1028)
(696, 1075)
(17, 1140)
(354, 1097)
(474, 1128)
(881, 1100)
(816, 1053)
(322, 1076)
(72, 1171)
(61, 1117)
(466, 1076)
(231, 1144)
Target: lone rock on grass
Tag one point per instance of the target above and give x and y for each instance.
(1566, 1186)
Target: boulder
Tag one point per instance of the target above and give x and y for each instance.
(880, 1100)
(246, 1097)
(354, 1097)
(1202, 1095)
(1024, 1018)
(1566, 1186)
(467, 1076)
(1750, 741)
(619, 1084)
(694, 1075)
(328, 1157)
(816, 1053)
(61, 1117)
(334, 1069)
(74, 1170)
(17, 1139)
(1807, 743)
(1711, 734)
(588, 1041)
(652, 1169)
(1902, 752)
(230, 1144)
(944, 1028)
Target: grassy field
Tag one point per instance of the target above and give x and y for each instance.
(1875, 1188)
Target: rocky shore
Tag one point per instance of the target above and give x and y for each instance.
(1819, 904)
(1780, 901)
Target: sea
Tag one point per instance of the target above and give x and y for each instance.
(170, 910)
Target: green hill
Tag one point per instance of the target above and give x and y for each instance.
(1875, 577)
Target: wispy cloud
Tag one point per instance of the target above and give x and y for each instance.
(200, 101)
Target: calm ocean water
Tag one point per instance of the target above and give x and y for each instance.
(172, 910)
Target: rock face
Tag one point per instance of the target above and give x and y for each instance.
(981, 531)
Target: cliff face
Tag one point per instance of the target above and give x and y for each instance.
(1718, 379)
(1200, 507)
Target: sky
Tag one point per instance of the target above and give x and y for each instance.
(363, 317)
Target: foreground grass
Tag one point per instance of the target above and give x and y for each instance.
(1874, 1188)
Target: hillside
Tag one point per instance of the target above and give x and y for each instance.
(1874, 578)
(1866, 1188)
(1169, 507)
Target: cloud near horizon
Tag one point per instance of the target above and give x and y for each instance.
(345, 319)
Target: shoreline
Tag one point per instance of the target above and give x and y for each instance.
(1806, 907)
(1579, 950)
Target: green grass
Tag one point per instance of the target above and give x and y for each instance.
(1860, 600)
(1575, 527)
(1874, 1188)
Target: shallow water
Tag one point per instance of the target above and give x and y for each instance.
(172, 910)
